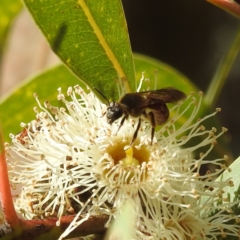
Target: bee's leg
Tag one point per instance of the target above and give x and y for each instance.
(122, 122)
(150, 117)
(136, 131)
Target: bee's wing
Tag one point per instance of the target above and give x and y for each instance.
(168, 95)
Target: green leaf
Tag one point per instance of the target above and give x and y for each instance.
(8, 11)
(232, 192)
(233, 175)
(91, 38)
(165, 76)
(18, 106)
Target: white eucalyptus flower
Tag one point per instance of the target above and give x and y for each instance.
(71, 161)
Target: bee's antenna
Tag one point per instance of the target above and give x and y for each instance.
(102, 95)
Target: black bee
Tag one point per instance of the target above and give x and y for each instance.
(151, 104)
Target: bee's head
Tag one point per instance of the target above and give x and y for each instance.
(114, 111)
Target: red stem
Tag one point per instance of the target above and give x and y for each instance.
(5, 190)
(229, 6)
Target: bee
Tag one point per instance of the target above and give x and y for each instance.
(150, 104)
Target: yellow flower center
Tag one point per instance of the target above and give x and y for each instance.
(129, 163)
